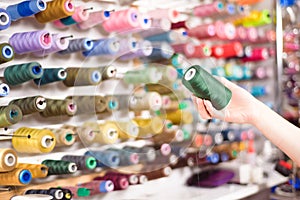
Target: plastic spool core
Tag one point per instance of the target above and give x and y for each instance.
(41, 5)
(133, 179)
(69, 137)
(143, 179)
(147, 48)
(44, 170)
(59, 194)
(111, 133)
(62, 74)
(218, 138)
(190, 74)
(96, 76)
(36, 70)
(114, 46)
(46, 39)
(165, 149)
(109, 186)
(13, 113)
(72, 107)
(10, 159)
(47, 141)
(179, 135)
(134, 158)
(41, 103)
(113, 104)
(72, 167)
(115, 159)
(7, 52)
(4, 19)
(151, 155)
(111, 71)
(167, 171)
(25, 176)
(69, 6)
(124, 183)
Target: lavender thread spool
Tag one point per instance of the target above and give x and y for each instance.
(108, 46)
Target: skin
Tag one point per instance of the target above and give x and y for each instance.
(246, 109)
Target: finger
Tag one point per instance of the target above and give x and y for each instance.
(220, 114)
(202, 110)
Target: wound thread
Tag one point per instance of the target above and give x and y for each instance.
(95, 18)
(60, 167)
(7, 53)
(57, 107)
(147, 75)
(80, 15)
(9, 159)
(10, 115)
(105, 158)
(5, 19)
(89, 104)
(64, 136)
(108, 46)
(36, 170)
(16, 177)
(76, 45)
(82, 162)
(108, 72)
(51, 75)
(29, 105)
(82, 76)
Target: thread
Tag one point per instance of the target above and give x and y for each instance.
(59, 167)
(26, 42)
(32, 196)
(158, 26)
(86, 134)
(26, 9)
(158, 173)
(36, 170)
(89, 104)
(145, 23)
(116, 102)
(56, 10)
(60, 42)
(120, 182)
(175, 135)
(29, 140)
(122, 21)
(108, 72)
(105, 158)
(126, 158)
(57, 107)
(20, 73)
(179, 117)
(5, 19)
(234, 49)
(127, 130)
(170, 37)
(56, 193)
(255, 18)
(145, 101)
(95, 18)
(9, 159)
(169, 74)
(149, 126)
(252, 34)
(7, 53)
(144, 49)
(108, 46)
(161, 51)
(225, 31)
(203, 31)
(127, 45)
(78, 192)
(170, 14)
(108, 133)
(82, 162)
(51, 75)
(161, 89)
(80, 15)
(203, 84)
(132, 178)
(258, 54)
(16, 177)
(162, 149)
(188, 49)
(10, 115)
(29, 105)
(210, 9)
(76, 45)
(146, 154)
(146, 75)
(64, 137)
(98, 186)
(82, 76)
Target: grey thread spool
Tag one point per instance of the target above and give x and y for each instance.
(89, 104)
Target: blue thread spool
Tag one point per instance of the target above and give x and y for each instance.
(105, 158)
(26, 8)
(230, 9)
(5, 19)
(161, 51)
(258, 90)
(213, 158)
(247, 73)
(224, 156)
(108, 46)
(51, 75)
(169, 37)
(76, 45)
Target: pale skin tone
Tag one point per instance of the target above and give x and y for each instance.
(245, 109)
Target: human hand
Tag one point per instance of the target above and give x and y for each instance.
(242, 107)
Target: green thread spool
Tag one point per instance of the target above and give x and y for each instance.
(82, 77)
(10, 115)
(89, 104)
(30, 105)
(108, 72)
(17, 74)
(82, 162)
(57, 107)
(147, 75)
(7, 53)
(205, 86)
(59, 167)
(51, 75)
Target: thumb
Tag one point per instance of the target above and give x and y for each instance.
(219, 114)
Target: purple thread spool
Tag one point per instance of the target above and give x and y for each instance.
(145, 49)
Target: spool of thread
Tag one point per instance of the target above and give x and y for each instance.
(98, 186)
(162, 149)
(233, 72)
(78, 192)
(225, 31)
(161, 51)
(127, 130)
(170, 37)
(146, 154)
(55, 10)
(228, 135)
(187, 49)
(26, 42)
(26, 9)
(266, 36)
(145, 101)
(206, 10)
(108, 133)
(252, 34)
(122, 21)
(161, 89)
(29, 105)
(175, 135)
(36, 170)
(20, 73)
(108, 72)
(117, 102)
(132, 178)
(259, 90)
(144, 49)
(126, 158)
(105, 158)
(203, 31)
(257, 18)
(10, 115)
(76, 45)
(159, 25)
(241, 33)
(51, 75)
(16, 177)
(120, 182)
(169, 13)
(228, 50)
(127, 45)
(149, 126)
(80, 15)
(9, 159)
(169, 74)
(32, 196)
(180, 117)
(158, 173)
(82, 76)
(57, 107)
(82, 162)
(102, 47)
(145, 23)
(5, 19)
(146, 75)
(86, 134)
(60, 167)
(217, 138)
(258, 54)
(60, 42)
(56, 193)
(171, 160)
(64, 137)
(29, 140)
(89, 104)
(95, 18)
(7, 53)
(200, 51)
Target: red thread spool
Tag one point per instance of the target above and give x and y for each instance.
(95, 18)
(201, 51)
(203, 31)
(234, 49)
(120, 182)
(133, 179)
(177, 25)
(122, 21)
(207, 10)
(258, 54)
(225, 31)
(188, 49)
(170, 14)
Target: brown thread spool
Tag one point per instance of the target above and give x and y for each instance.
(158, 173)
(55, 10)
(127, 130)
(30, 105)
(64, 137)
(85, 134)
(13, 177)
(108, 72)
(89, 104)
(175, 135)
(149, 126)
(36, 170)
(180, 117)
(82, 76)
(31, 140)
(10, 115)
(145, 101)
(8, 159)
(171, 160)
(57, 107)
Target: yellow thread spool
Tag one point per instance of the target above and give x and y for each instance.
(109, 133)
(180, 117)
(36, 170)
(149, 126)
(15, 176)
(64, 137)
(55, 10)
(9, 159)
(31, 140)
(127, 130)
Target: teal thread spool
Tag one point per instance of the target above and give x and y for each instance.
(205, 86)
(51, 75)
(58, 167)
(17, 74)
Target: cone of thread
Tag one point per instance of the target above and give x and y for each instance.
(36, 170)
(10, 115)
(30, 105)
(9, 159)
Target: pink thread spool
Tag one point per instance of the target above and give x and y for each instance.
(258, 54)
(207, 10)
(207, 140)
(252, 34)
(201, 51)
(158, 26)
(267, 36)
(170, 14)
(203, 31)
(188, 49)
(165, 149)
(94, 19)
(234, 49)
(122, 21)
(241, 33)
(225, 31)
